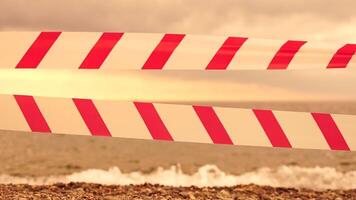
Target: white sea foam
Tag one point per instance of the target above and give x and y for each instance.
(209, 175)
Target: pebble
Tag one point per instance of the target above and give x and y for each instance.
(89, 191)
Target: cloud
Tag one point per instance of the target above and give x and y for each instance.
(302, 19)
(318, 19)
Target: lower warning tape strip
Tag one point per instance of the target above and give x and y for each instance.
(203, 124)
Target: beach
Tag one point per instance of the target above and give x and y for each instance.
(102, 73)
(44, 166)
(147, 191)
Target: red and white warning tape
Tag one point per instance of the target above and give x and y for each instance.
(167, 51)
(203, 124)
(172, 122)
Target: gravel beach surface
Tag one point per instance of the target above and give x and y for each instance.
(148, 191)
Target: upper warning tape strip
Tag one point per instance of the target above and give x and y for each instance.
(112, 50)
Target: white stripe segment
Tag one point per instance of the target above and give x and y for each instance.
(194, 52)
(242, 126)
(255, 54)
(301, 130)
(182, 123)
(314, 55)
(346, 125)
(132, 51)
(62, 116)
(13, 46)
(11, 117)
(69, 50)
(352, 63)
(122, 119)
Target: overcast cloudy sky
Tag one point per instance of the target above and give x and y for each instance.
(297, 19)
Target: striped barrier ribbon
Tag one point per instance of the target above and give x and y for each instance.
(111, 50)
(171, 122)
(114, 50)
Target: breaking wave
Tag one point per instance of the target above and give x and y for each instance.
(318, 178)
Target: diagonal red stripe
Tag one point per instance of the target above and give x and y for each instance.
(32, 59)
(285, 54)
(343, 56)
(227, 51)
(213, 125)
(91, 117)
(32, 114)
(163, 51)
(38, 50)
(331, 132)
(272, 128)
(153, 121)
(206, 114)
(100, 50)
(94, 60)
(157, 60)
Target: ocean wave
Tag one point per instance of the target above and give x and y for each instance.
(317, 178)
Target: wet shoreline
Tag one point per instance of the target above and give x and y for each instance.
(26, 154)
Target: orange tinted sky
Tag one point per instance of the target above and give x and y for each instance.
(302, 19)
(298, 19)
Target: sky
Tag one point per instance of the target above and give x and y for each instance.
(324, 20)
(294, 19)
